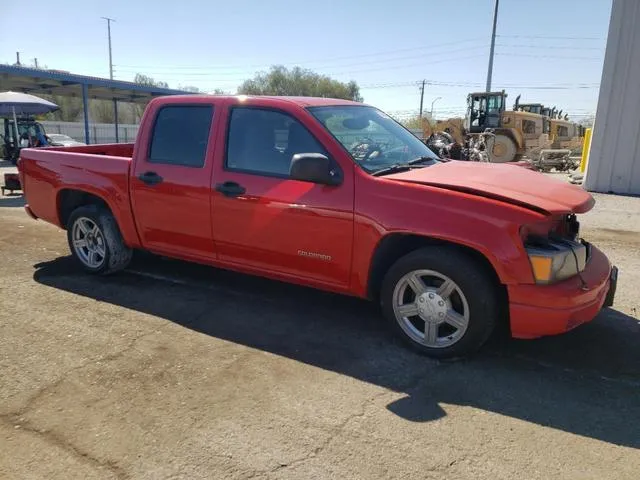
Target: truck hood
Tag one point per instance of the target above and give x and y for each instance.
(504, 182)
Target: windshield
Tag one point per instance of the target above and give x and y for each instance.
(373, 139)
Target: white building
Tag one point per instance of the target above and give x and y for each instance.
(614, 158)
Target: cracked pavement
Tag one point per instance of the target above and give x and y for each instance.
(176, 371)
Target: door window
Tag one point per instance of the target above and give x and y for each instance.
(528, 126)
(180, 135)
(264, 141)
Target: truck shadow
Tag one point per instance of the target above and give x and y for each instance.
(12, 200)
(586, 382)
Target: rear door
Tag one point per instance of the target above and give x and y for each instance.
(170, 184)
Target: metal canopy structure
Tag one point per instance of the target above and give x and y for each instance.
(56, 82)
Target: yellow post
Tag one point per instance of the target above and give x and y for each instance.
(585, 150)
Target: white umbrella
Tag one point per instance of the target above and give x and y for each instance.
(17, 103)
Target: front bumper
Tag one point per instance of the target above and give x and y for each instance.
(539, 310)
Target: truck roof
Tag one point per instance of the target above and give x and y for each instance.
(301, 101)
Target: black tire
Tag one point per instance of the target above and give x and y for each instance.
(478, 287)
(504, 149)
(117, 255)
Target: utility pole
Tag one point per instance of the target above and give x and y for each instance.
(18, 59)
(421, 97)
(109, 20)
(493, 46)
(35, 62)
(115, 102)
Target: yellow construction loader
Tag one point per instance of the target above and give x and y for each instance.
(563, 133)
(517, 133)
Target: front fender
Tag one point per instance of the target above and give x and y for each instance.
(488, 226)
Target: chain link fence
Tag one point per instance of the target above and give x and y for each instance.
(98, 132)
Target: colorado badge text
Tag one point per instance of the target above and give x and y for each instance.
(319, 256)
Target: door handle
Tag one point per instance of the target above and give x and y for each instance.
(150, 178)
(230, 189)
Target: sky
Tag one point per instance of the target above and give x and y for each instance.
(549, 51)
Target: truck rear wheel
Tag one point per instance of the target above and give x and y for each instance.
(440, 301)
(95, 240)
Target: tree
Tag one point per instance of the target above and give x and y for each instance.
(412, 122)
(148, 81)
(70, 108)
(101, 111)
(190, 88)
(298, 81)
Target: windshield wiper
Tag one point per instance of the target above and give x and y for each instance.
(395, 168)
(421, 159)
(402, 167)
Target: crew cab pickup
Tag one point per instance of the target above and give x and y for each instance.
(338, 196)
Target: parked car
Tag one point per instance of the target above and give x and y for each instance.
(61, 140)
(351, 202)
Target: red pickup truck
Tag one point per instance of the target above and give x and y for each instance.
(338, 196)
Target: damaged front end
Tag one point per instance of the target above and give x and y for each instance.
(555, 250)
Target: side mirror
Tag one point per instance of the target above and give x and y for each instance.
(314, 167)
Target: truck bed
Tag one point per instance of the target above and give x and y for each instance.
(107, 149)
(48, 173)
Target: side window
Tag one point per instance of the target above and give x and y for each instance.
(563, 131)
(263, 141)
(180, 135)
(528, 126)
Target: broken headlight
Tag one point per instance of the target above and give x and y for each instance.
(553, 260)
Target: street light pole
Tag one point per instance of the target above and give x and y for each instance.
(434, 101)
(115, 102)
(493, 46)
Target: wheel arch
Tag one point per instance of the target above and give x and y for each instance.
(68, 199)
(396, 245)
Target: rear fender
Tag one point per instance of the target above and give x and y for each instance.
(120, 210)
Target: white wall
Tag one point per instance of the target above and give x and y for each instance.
(614, 158)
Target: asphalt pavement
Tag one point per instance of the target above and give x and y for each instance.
(171, 370)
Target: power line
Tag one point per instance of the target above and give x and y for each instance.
(549, 37)
(307, 62)
(568, 57)
(349, 72)
(560, 86)
(205, 72)
(547, 47)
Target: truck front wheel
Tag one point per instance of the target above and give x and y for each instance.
(440, 301)
(95, 240)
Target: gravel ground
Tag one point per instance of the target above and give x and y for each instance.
(172, 370)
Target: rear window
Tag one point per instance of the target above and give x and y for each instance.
(180, 135)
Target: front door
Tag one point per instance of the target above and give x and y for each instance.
(170, 185)
(266, 221)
